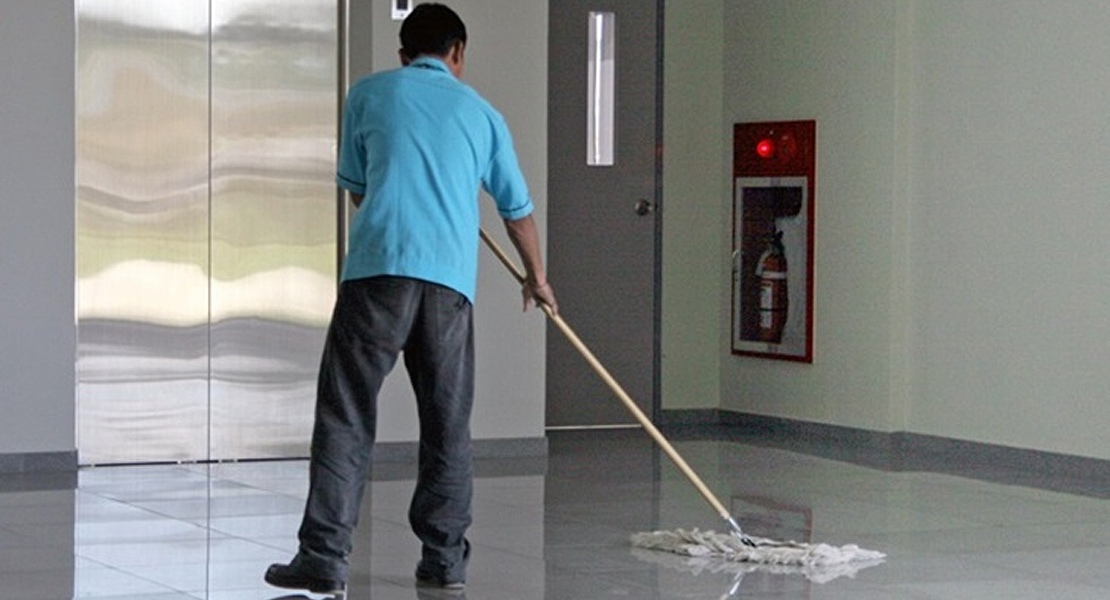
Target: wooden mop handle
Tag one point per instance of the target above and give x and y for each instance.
(613, 385)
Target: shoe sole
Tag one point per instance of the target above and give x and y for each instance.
(430, 584)
(314, 586)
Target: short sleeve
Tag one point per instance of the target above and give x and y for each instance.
(504, 180)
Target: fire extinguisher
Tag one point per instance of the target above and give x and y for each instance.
(773, 298)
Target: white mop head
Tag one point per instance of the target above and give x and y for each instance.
(722, 546)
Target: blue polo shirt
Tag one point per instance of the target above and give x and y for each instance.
(418, 144)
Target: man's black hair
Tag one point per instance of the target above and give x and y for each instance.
(431, 28)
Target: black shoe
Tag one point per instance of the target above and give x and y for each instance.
(294, 578)
(451, 587)
(433, 575)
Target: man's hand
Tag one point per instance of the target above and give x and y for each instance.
(537, 294)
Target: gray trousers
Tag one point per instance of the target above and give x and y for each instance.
(375, 320)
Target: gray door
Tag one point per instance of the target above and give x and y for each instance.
(206, 224)
(603, 220)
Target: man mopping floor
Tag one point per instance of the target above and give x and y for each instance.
(416, 146)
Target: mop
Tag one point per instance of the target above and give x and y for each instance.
(702, 565)
(732, 546)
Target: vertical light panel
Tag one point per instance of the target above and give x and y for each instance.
(142, 230)
(600, 88)
(273, 229)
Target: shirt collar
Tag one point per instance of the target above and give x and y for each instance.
(428, 62)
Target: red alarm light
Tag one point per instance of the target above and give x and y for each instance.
(765, 148)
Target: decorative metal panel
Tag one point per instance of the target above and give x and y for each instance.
(206, 225)
(274, 82)
(142, 228)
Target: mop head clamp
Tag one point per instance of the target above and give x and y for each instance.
(749, 549)
(738, 533)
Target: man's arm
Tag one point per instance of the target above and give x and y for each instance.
(526, 240)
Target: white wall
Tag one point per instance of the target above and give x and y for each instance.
(1011, 220)
(831, 61)
(37, 332)
(962, 209)
(693, 155)
(506, 59)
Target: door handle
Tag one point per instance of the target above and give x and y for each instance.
(644, 207)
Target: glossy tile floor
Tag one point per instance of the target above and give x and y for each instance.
(557, 529)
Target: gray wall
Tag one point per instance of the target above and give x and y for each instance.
(509, 382)
(37, 334)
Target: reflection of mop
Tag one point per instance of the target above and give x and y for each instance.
(738, 546)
